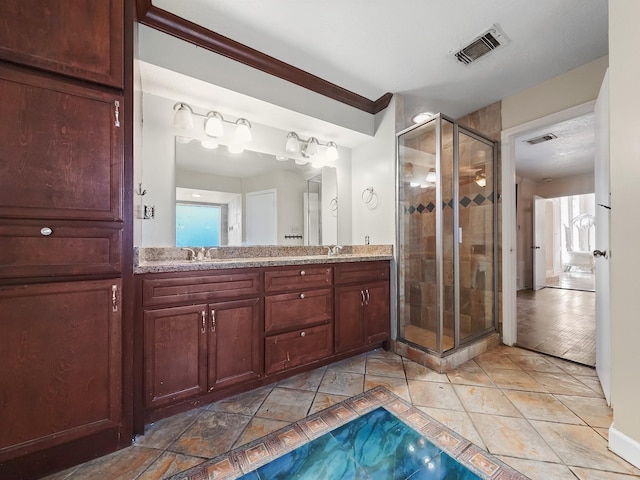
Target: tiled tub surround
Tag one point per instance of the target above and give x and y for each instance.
(171, 259)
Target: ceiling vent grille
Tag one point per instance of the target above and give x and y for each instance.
(542, 138)
(485, 43)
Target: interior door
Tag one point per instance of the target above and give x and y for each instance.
(262, 227)
(538, 247)
(603, 202)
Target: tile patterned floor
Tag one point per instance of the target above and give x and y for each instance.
(544, 416)
(558, 322)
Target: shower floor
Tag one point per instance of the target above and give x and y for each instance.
(426, 338)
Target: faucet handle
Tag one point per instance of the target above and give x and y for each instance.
(337, 249)
(208, 254)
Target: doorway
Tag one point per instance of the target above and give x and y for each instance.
(535, 317)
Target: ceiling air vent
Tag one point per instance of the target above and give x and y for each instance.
(485, 43)
(542, 138)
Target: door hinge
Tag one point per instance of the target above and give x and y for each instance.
(117, 113)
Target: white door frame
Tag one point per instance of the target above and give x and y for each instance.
(508, 200)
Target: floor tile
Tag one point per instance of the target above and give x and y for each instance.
(495, 360)
(354, 364)
(168, 464)
(304, 381)
(259, 427)
(574, 368)
(580, 446)
(244, 403)
(433, 394)
(594, 411)
(342, 383)
(164, 432)
(457, 421)
(592, 382)
(415, 371)
(535, 363)
(604, 432)
(396, 385)
(485, 400)
(542, 406)
(385, 367)
(562, 384)
(589, 474)
(122, 465)
(513, 437)
(287, 405)
(537, 470)
(469, 373)
(514, 380)
(211, 434)
(325, 400)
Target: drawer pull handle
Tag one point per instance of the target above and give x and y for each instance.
(302, 295)
(302, 273)
(367, 297)
(204, 321)
(213, 320)
(46, 231)
(362, 295)
(303, 334)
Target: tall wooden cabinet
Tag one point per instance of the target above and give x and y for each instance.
(63, 241)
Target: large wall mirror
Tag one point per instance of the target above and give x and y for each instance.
(251, 198)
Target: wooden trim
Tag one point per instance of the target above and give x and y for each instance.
(171, 24)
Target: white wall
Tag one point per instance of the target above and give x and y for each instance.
(575, 87)
(624, 38)
(373, 165)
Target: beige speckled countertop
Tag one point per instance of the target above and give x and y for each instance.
(158, 260)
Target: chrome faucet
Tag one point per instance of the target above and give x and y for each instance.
(207, 255)
(333, 250)
(200, 254)
(192, 253)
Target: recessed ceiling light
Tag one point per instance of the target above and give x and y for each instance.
(421, 117)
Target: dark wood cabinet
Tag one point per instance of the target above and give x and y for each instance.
(193, 349)
(298, 347)
(62, 150)
(61, 372)
(175, 354)
(362, 305)
(79, 38)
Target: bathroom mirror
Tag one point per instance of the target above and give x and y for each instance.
(251, 198)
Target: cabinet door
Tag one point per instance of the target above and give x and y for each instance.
(349, 326)
(61, 363)
(62, 154)
(80, 38)
(235, 352)
(175, 354)
(376, 312)
(299, 347)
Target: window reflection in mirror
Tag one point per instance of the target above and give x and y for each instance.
(261, 200)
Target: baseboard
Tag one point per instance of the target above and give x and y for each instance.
(624, 446)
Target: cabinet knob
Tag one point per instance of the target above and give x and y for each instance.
(46, 231)
(303, 334)
(302, 295)
(302, 273)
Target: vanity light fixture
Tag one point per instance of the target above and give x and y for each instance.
(431, 176)
(421, 117)
(213, 126)
(281, 158)
(310, 148)
(481, 178)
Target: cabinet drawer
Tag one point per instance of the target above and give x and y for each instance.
(361, 272)
(296, 310)
(292, 349)
(199, 288)
(297, 278)
(71, 248)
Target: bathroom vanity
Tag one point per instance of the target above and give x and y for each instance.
(210, 329)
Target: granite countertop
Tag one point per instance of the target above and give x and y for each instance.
(169, 259)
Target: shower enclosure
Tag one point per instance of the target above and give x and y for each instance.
(447, 236)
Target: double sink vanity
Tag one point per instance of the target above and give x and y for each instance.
(250, 316)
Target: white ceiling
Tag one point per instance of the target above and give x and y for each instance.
(406, 46)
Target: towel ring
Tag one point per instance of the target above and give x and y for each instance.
(370, 198)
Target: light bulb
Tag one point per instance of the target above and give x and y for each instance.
(293, 143)
(183, 120)
(431, 176)
(242, 135)
(213, 125)
(210, 144)
(331, 155)
(311, 148)
(235, 148)
(300, 161)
